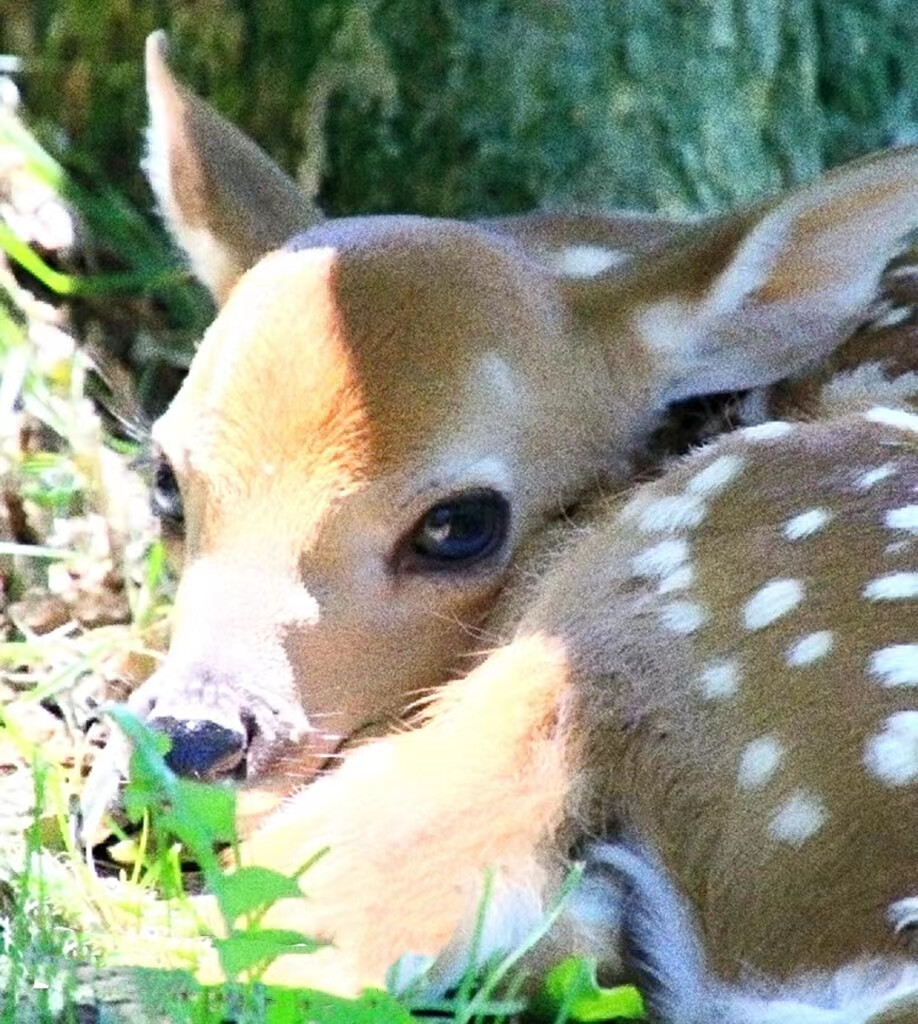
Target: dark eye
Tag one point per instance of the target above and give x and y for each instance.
(459, 531)
(165, 497)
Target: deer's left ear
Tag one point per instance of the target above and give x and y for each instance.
(750, 298)
(223, 199)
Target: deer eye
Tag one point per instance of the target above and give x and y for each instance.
(457, 532)
(165, 497)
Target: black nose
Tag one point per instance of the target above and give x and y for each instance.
(202, 749)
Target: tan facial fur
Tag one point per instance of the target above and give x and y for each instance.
(331, 404)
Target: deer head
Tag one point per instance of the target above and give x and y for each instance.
(386, 409)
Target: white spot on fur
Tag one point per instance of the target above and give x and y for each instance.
(904, 518)
(672, 512)
(809, 649)
(897, 546)
(679, 579)
(889, 316)
(873, 476)
(806, 524)
(866, 384)
(587, 260)
(668, 326)
(799, 818)
(898, 418)
(661, 559)
(759, 762)
(771, 602)
(896, 665)
(683, 616)
(894, 586)
(769, 431)
(720, 679)
(903, 914)
(504, 381)
(715, 476)
(892, 755)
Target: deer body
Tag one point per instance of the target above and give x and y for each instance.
(401, 436)
(750, 705)
(750, 733)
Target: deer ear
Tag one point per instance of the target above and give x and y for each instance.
(748, 299)
(223, 199)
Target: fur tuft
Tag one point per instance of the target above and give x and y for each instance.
(667, 957)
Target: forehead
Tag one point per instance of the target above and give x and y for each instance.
(352, 344)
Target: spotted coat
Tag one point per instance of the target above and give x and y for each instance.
(758, 718)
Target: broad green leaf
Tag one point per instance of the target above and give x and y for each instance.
(371, 1007)
(257, 947)
(572, 985)
(252, 889)
(156, 564)
(207, 808)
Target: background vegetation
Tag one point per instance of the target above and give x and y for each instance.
(488, 106)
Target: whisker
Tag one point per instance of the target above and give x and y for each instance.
(470, 629)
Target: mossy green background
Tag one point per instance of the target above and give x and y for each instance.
(487, 106)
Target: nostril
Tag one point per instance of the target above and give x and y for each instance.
(202, 749)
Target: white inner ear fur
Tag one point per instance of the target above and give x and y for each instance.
(211, 262)
(825, 247)
(752, 263)
(155, 161)
(680, 328)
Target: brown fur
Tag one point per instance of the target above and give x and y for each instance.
(389, 363)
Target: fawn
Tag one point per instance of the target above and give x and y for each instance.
(403, 437)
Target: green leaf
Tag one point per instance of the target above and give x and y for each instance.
(199, 815)
(149, 746)
(571, 987)
(151, 782)
(206, 808)
(371, 1007)
(252, 889)
(257, 947)
(156, 564)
